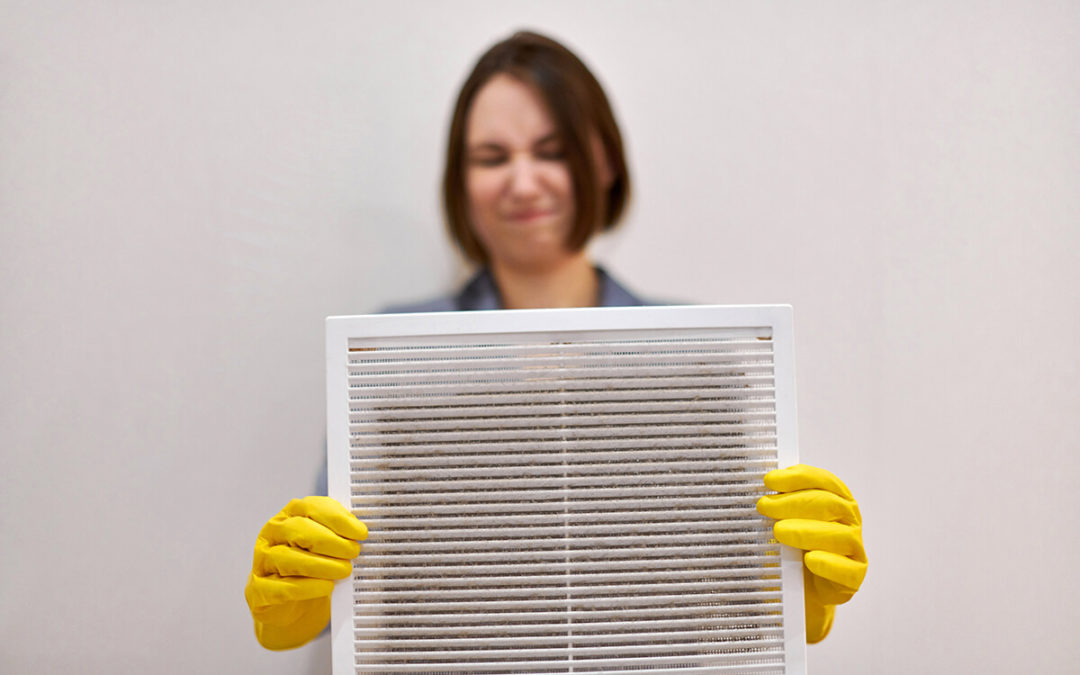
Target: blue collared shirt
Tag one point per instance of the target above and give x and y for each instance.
(481, 293)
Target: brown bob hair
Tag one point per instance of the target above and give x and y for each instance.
(579, 109)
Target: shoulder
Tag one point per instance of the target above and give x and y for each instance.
(442, 304)
(615, 294)
(479, 293)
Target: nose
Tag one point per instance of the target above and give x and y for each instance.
(524, 177)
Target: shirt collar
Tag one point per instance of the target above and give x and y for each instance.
(481, 293)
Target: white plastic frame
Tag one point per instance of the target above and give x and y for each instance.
(339, 330)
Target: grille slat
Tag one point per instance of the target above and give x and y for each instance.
(759, 386)
(558, 625)
(764, 613)
(731, 563)
(382, 583)
(627, 398)
(499, 407)
(473, 461)
(389, 525)
(583, 657)
(546, 465)
(626, 493)
(745, 444)
(387, 555)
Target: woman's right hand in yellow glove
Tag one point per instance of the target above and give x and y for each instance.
(298, 555)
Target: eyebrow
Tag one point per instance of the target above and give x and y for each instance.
(553, 137)
(487, 146)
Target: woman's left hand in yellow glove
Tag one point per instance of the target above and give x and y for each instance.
(816, 512)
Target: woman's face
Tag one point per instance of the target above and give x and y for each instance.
(520, 192)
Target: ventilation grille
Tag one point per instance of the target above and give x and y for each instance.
(553, 504)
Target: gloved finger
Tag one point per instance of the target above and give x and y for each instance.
(289, 613)
(813, 535)
(309, 535)
(804, 477)
(287, 561)
(811, 505)
(288, 626)
(264, 591)
(329, 513)
(819, 615)
(829, 592)
(838, 569)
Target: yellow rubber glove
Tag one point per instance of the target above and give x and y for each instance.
(298, 555)
(816, 512)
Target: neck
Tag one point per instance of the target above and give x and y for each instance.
(573, 283)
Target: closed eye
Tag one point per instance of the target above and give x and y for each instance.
(487, 160)
(550, 147)
(487, 155)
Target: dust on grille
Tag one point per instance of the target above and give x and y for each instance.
(548, 506)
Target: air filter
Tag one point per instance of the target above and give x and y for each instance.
(558, 491)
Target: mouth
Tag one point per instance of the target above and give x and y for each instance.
(529, 215)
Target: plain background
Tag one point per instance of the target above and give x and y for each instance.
(188, 189)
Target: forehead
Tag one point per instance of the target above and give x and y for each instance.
(508, 111)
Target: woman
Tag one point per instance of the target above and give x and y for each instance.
(534, 168)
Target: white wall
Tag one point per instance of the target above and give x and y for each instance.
(187, 189)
